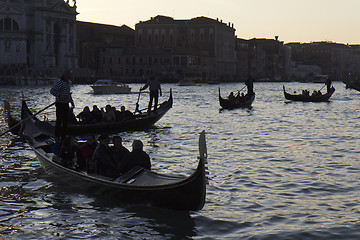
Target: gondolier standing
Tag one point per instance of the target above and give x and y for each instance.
(328, 83)
(61, 90)
(250, 86)
(155, 88)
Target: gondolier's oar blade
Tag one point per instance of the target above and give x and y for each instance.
(202, 145)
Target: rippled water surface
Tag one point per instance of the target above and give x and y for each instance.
(281, 170)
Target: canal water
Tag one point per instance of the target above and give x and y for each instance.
(280, 170)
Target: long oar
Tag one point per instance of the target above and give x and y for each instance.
(322, 87)
(18, 124)
(137, 103)
(242, 89)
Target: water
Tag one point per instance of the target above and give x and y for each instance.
(277, 171)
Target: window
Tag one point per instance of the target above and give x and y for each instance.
(8, 24)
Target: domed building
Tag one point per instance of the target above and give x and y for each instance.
(37, 35)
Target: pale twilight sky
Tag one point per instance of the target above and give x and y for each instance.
(291, 20)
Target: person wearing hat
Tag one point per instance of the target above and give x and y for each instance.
(61, 91)
(103, 161)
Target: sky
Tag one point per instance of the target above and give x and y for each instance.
(292, 20)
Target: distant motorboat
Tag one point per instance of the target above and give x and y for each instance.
(107, 86)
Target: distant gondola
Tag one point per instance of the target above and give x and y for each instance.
(242, 102)
(139, 121)
(136, 186)
(352, 84)
(309, 98)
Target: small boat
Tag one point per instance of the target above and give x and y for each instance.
(138, 186)
(140, 121)
(107, 86)
(309, 98)
(242, 102)
(352, 84)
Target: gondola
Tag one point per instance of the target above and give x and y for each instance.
(138, 186)
(309, 98)
(245, 102)
(352, 84)
(140, 121)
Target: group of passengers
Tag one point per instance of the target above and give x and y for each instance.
(101, 158)
(239, 96)
(314, 93)
(110, 114)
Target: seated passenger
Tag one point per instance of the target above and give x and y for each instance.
(119, 152)
(231, 96)
(85, 116)
(86, 152)
(108, 114)
(103, 161)
(239, 96)
(68, 151)
(137, 157)
(124, 114)
(96, 114)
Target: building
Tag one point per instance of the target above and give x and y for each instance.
(105, 51)
(37, 37)
(176, 47)
(336, 60)
(268, 59)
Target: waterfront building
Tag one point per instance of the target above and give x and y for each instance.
(105, 51)
(268, 59)
(175, 47)
(37, 36)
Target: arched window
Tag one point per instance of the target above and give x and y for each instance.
(8, 24)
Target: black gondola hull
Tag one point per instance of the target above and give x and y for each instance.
(304, 98)
(229, 104)
(140, 186)
(141, 121)
(187, 194)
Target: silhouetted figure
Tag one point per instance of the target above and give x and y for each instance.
(61, 90)
(250, 86)
(68, 152)
(155, 89)
(137, 157)
(85, 116)
(103, 161)
(328, 85)
(119, 152)
(86, 153)
(96, 114)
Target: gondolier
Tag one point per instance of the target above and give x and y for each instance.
(61, 90)
(328, 83)
(250, 86)
(155, 88)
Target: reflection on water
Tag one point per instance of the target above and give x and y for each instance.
(280, 170)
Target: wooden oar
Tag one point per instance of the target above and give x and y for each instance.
(18, 124)
(137, 103)
(242, 89)
(322, 87)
